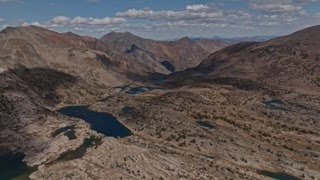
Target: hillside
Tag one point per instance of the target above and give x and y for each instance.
(95, 64)
(182, 54)
(66, 101)
(291, 61)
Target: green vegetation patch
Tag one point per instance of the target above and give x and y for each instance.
(71, 134)
(63, 129)
(93, 141)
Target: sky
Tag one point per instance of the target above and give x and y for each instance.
(164, 19)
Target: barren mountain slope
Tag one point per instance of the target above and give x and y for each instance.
(34, 46)
(212, 45)
(290, 61)
(193, 126)
(182, 54)
(83, 57)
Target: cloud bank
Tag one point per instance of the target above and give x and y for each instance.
(260, 16)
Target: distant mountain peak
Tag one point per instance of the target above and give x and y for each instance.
(69, 33)
(127, 33)
(187, 39)
(26, 30)
(182, 53)
(119, 34)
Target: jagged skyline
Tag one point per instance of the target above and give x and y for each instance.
(164, 19)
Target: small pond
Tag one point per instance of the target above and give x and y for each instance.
(100, 122)
(12, 166)
(205, 124)
(275, 104)
(278, 175)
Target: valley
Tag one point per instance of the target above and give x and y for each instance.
(73, 107)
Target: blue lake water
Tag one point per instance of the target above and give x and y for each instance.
(12, 167)
(123, 88)
(100, 122)
(205, 124)
(275, 104)
(278, 175)
(275, 101)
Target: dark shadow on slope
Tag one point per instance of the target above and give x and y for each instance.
(169, 66)
(157, 77)
(132, 49)
(239, 47)
(22, 91)
(106, 62)
(194, 78)
(147, 79)
(45, 81)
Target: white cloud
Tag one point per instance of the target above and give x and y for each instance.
(97, 21)
(279, 6)
(78, 23)
(60, 19)
(5, 25)
(270, 16)
(63, 20)
(36, 24)
(135, 13)
(276, 7)
(79, 29)
(197, 7)
(197, 16)
(79, 20)
(190, 13)
(25, 24)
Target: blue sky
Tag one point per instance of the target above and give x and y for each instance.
(164, 19)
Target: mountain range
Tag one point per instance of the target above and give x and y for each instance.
(174, 55)
(237, 39)
(216, 110)
(290, 61)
